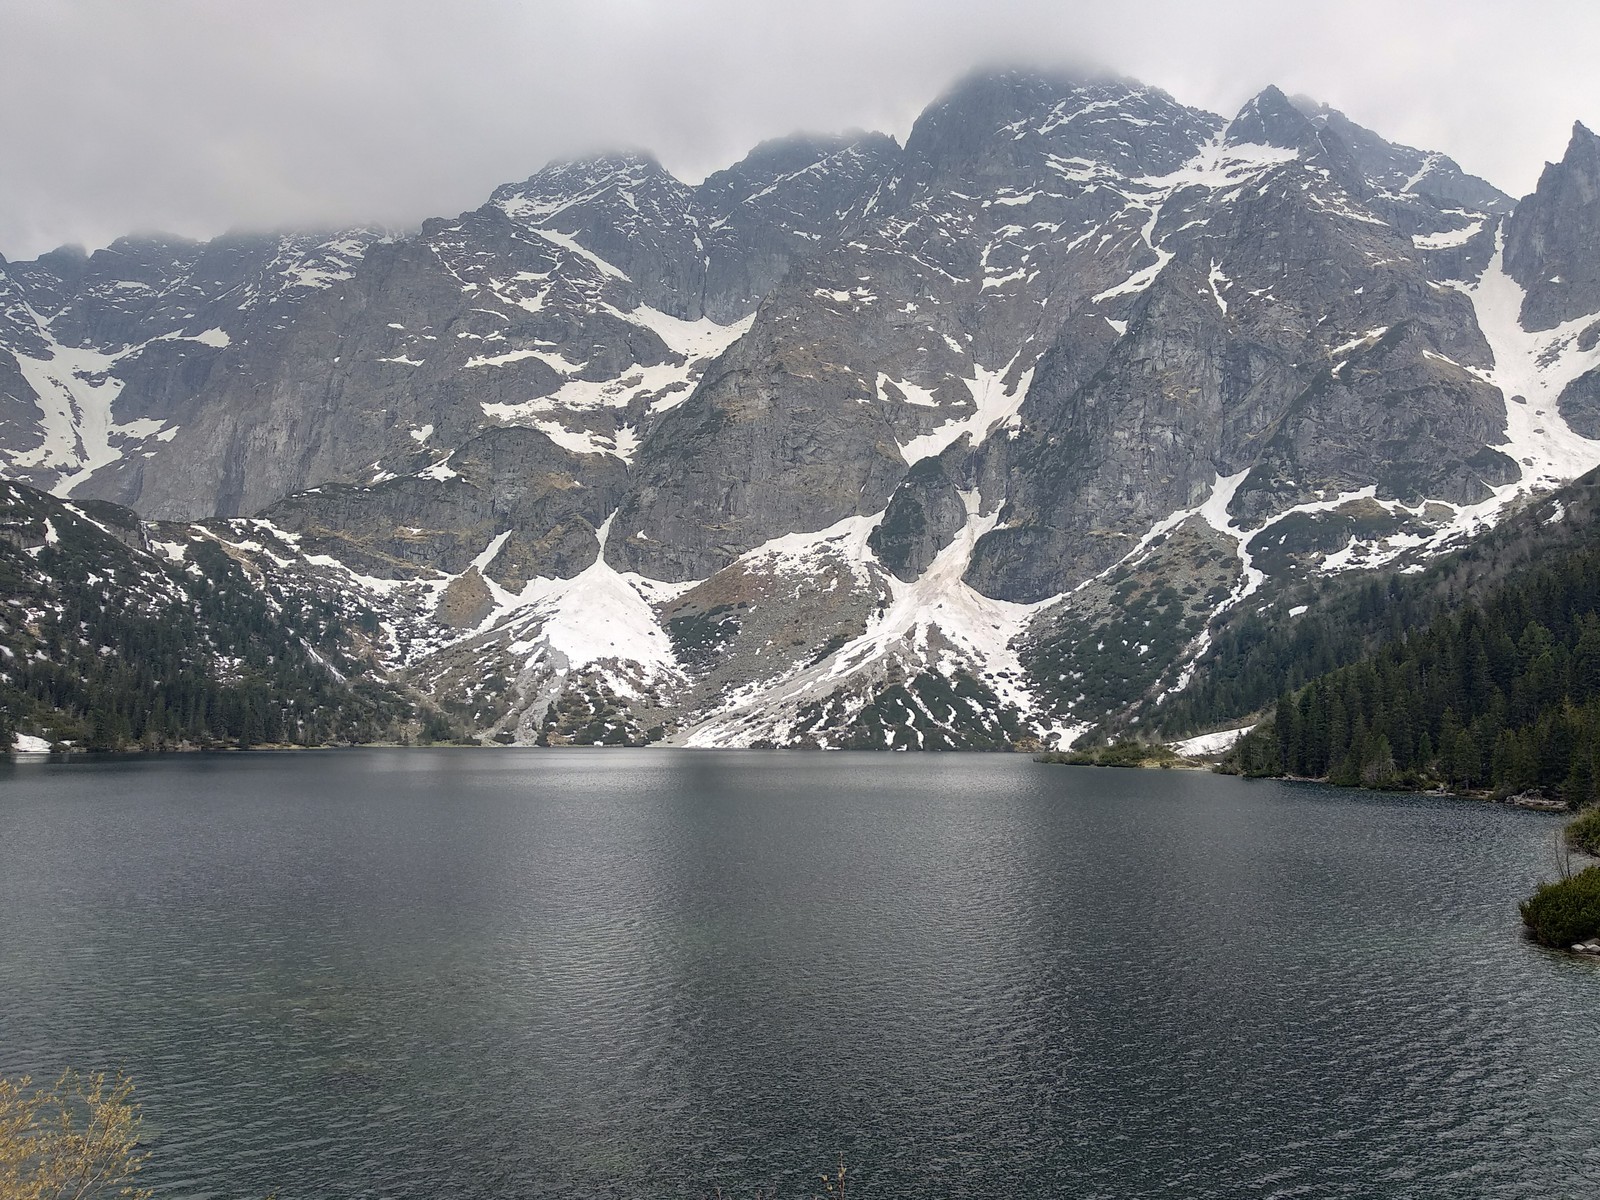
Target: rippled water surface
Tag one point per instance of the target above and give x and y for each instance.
(474, 974)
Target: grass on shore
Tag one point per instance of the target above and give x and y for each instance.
(1119, 754)
(1583, 834)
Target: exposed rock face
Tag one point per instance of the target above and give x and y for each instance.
(246, 369)
(512, 482)
(1580, 404)
(626, 211)
(923, 517)
(466, 602)
(1396, 171)
(804, 453)
(922, 323)
(1271, 119)
(1553, 238)
(776, 439)
(1259, 345)
(118, 349)
(19, 427)
(561, 553)
(785, 200)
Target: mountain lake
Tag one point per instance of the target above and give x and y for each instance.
(501, 973)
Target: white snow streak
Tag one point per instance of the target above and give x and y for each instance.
(599, 615)
(994, 405)
(1209, 743)
(936, 622)
(1535, 366)
(1446, 239)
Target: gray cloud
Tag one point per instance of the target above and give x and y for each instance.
(194, 116)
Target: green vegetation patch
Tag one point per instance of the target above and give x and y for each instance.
(1566, 912)
(1584, 833)
(1280, 643)
(1502, 695)
(1112, 645)
(589, 713)
(698, 638)
(108, 647)
(1124, 753)
(1289, 541)
(929, 712)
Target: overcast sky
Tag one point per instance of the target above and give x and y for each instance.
(197, 116)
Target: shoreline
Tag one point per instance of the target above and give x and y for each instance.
(1530, 802)
(74, 752)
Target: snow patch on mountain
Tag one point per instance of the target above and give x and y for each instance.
(935, 623)
(1535, 366)
(1448, 238)
(911, 393)
(1145, 276)
(570, 244)
(599, 615)
(976, 630)
(1209, 743)
(696, 340)
(552, 359)
(75, 393)
(1219, 166)
(666, 384)
(993, 404)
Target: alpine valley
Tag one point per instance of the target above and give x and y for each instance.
(982, 441)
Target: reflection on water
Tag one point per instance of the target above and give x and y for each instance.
(474, 974)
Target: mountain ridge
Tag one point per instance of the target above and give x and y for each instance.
(849, 423)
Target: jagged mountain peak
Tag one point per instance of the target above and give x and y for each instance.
(64, 259)
(625, 178)
(1020, 82)
(617, 161)
(1021, 126)
(1061, 108)
(1582, 156)
(1579, 165)
(148, 246)
(795, 151)
(778, 166)
(1550, 238)
(1269, 118)
(867, 408)
(1405, 170)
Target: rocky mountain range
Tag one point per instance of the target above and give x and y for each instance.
(972, 442)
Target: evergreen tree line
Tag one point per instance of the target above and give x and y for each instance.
(1263, 654)
(1263, 651)
(1503, 694)
(158, 655)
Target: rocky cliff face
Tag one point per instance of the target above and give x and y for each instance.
(851, 443)
(1550, 239)
(1270, 335)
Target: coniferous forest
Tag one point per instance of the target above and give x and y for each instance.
(1502, 694)
(107, 646)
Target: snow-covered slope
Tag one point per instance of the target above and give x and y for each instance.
(971, 442)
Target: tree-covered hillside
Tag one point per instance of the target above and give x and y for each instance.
(1498, 690)
(1303, 630)
(106, 642)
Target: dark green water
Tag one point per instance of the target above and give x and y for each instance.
(640, 974)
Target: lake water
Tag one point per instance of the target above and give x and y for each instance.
(437, 973)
